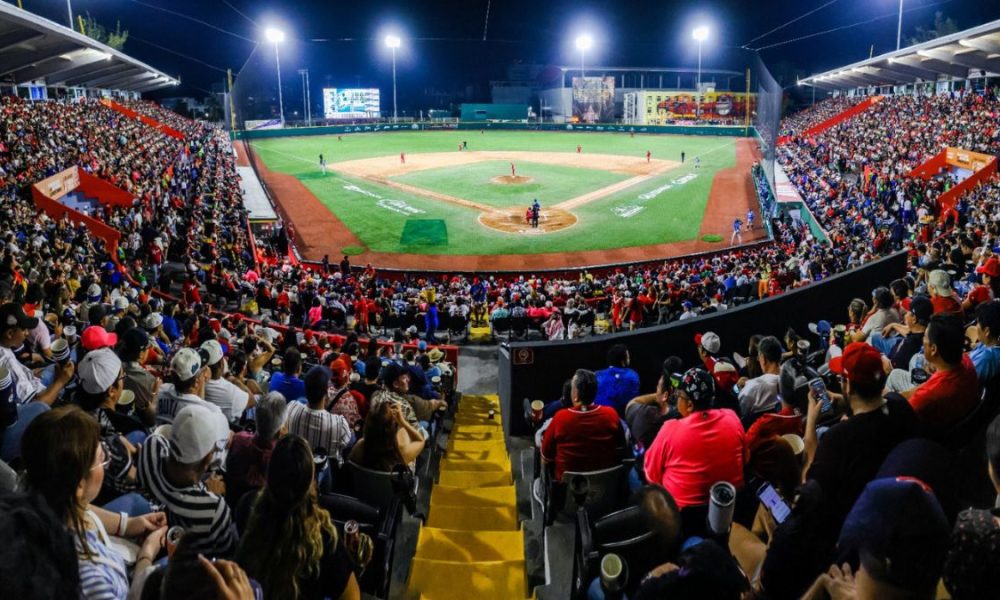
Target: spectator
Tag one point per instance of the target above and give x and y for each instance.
(250, 453)
(65, 463)
(175, 471)
(291, 544)
(972, 567)
(881, 315)
(985, 354)
(188, 387)
(143, 384)
(287, 382)
(585, 437)
(43, 564)
(851, 451)
(677, 460)
(953, 389)
(761, 394)
(223, 389)
(617, 384)
(901, 348)
(343, 400)
(389, 440)
(314, 423)
(646, 414)
(395, 389)
(942, 296)
(705, 570)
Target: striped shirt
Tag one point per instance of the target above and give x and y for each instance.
(194, 508)
(102, 574)
(320, 428)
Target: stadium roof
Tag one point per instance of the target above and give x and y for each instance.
(971, 53)
(33, 48)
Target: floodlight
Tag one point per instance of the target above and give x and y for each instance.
(392, 41)
(274, 35)
(700, 33)
(584, 42)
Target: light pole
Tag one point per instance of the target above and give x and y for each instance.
(276, 36)
(583, 43)
(393, 42)
(899, 25)
(69, 8)
(306, 100)
(700, 34)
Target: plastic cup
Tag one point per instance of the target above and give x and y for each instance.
(174, 535)
(60, 351)
(537, 406)
(613, 573)
(126, 402)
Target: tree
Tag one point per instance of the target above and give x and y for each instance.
(942, 26)
(115, 39)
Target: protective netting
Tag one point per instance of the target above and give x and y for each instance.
(767, 119)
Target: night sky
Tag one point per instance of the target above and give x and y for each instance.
(443, 47)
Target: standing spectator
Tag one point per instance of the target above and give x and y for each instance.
(173, 472)
(586, 436)
(953, 389)
(291, 545)
(617, 384)
(677, 459)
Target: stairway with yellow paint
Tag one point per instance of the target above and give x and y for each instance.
(472, 545)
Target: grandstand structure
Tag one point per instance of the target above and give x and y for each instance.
(140, 249)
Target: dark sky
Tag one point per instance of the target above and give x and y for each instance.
(443, 47)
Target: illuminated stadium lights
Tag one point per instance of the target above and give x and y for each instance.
(393, 42)
(276, 36)
(700, 34)
(584, 42)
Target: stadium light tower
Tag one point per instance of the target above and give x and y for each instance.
(393, 42)
(899, 25)
(584, 42)
(700, 34)
(276, 36)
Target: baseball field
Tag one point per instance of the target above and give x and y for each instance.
(463, 194)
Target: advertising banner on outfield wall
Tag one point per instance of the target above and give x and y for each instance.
(660, 107)
(594, 99)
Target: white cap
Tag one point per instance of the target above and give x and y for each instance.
(94, 291)
(120, 303)
(186, 363)
(152, 321)
(198, 430)
(710, 342)
(99, 370)
(214, 351)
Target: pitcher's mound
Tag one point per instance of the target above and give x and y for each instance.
(512, 220)
(511, 179)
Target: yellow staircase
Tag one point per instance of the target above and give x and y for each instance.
(472, 545)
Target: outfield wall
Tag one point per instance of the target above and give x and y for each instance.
(536, 370)
(717, 130)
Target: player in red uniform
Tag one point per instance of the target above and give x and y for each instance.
(402, 158)
(648, 154)
(513, 171)
(579, 148)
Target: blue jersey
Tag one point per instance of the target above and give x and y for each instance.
(750, 216)
(736, 225)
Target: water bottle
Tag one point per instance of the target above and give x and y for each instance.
(722, 502)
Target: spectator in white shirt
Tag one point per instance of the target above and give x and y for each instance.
(760, 394)
(188, 387)
(223, 390)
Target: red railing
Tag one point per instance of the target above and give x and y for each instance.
(128, 112)
(834, 120)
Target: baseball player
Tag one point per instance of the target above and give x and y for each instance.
(322, 164)
(402, 158)
(648, 155)
(737, 236)
(750, 220)
(513, 171)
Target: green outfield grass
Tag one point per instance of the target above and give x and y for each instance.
(667, 208)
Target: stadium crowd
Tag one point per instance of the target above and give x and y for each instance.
(799, 122)
(131, 412)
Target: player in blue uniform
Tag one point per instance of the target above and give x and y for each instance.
(737, 236)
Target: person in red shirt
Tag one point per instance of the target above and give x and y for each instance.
(942, 296)
(952, 392)
(706, 445)
(986, 291)
(586, 436)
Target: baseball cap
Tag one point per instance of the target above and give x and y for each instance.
(991, 267)
(941, 282)
(152, 321)
(135, 339)
(709, 341)
(12, 315)
(339, 367)
(94, 292)
(698, 385)
(860, 363)
(197, 431)
(120, 303)
(899, 531)
(820, 328)
(95, 337)
(687, 304)
(186, 363)
(214, 351)
(922, 309)
(99, 370)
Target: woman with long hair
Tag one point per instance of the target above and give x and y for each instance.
(389, 440)
(291, 545)
(64, 464)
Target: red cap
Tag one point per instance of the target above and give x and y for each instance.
(860, 363)
(95, 337)
(991, 267)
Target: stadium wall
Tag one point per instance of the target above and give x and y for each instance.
(536, 370)
(717, 130)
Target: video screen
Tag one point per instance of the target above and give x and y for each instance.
(351, 103)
